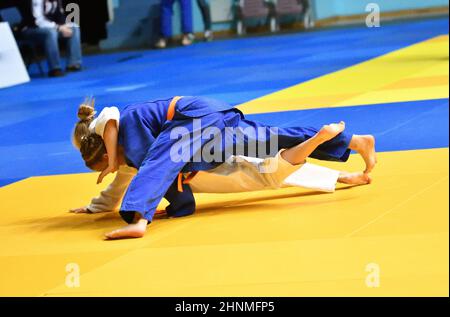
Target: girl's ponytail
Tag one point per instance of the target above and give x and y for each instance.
(86, 113)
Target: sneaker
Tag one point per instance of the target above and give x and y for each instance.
(187, 39)
(74, 68)
(209, 36)
(162, 43)
(57, 72)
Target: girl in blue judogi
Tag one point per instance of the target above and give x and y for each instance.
(155, 137)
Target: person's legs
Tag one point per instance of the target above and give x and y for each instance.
(186, 16)
(165, 23)
(276, 138)
(298, 154)
(357, 178)
(166, 18)
(49, 38)
(74, 48)
(365, 146)
(206, 13)
(186, 22)
(336, 149)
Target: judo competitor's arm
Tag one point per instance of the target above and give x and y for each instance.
(109, 198)
(107, 126)
(110, 137)
(155, 175)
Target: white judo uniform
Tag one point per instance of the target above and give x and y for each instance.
(237, 174)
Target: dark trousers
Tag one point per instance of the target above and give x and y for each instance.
(206, 13)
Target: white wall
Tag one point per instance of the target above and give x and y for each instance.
(12, 68)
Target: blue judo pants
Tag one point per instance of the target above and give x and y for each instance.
(255, 139)
(166, 17)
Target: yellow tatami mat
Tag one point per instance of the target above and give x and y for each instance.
(290, 242)
(387, 239)
(417, 72)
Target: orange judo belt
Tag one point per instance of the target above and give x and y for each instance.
(170, 115)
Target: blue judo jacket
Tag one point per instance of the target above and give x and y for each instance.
(145, 136)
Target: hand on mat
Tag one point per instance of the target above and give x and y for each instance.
(106, 171)
(82, 210)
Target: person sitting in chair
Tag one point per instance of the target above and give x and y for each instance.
(47, 24)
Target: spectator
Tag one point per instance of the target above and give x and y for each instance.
(206, 14)
(166, 22)
(47, 24)
(94, 19)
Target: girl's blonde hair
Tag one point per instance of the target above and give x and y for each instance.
(86, 113)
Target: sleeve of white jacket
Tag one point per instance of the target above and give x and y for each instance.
(110, 198)
(107, 114)
(39, 18)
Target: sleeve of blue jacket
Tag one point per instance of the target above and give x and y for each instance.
(158, 170)
(146, 137)
(155, 175)
(180, 203)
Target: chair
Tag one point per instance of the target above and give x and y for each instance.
(249, 9)
(298, 8)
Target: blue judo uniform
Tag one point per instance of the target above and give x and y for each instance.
(145, 135)
(166, 17)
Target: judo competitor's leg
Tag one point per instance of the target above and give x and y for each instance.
(335, 149)
(336, 146)
(135, 230)
(358, 178)
(166, 18)
(298, 154)
(365, 146)
(186, 16)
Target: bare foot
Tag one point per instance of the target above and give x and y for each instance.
(329, 131)
(358, 178)
(365, 146)
(136, 230)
